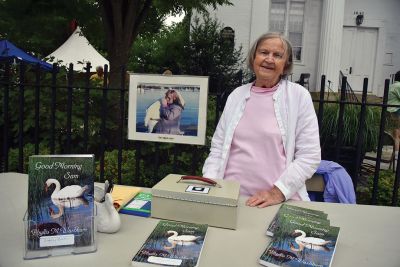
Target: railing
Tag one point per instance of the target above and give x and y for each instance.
(353, 164)
(349, 91)
(70, 114)
(63, 112)
(392, 77)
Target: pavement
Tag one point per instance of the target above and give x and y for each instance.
(386, 157)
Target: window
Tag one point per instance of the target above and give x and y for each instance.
(228, 36)
(287, 17)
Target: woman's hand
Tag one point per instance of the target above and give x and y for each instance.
(266, 198)
(164, 102)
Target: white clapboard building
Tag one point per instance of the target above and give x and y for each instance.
(360, 38)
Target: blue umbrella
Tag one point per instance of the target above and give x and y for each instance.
(9, 51)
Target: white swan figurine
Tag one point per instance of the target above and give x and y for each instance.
(100, 192)
(108, 220)
(71, 191)
(309, 242)
(182, 238)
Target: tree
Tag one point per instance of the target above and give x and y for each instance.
(207, 53)
(35, 25)
(42, 26)
(200, 51)
(123, 19)
(152, 53)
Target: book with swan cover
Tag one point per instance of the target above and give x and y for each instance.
(172, 243)
(60, 211)
(303, 214)
(299, 242)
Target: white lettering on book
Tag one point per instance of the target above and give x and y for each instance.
(281, 255)
(315, 227)
(57, 165)
(188, 229)
(56, 231)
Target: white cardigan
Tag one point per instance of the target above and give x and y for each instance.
(298, 124)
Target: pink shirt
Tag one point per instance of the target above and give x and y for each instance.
(257, 157)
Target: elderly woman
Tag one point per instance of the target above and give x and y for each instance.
(267, 138)
(171, 109)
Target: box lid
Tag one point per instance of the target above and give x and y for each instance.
(172, 186)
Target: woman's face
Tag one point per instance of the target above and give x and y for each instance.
(170, 98)
(269, 62)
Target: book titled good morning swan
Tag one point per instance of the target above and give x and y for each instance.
(300, 241)
(172, 243)
(60, 202)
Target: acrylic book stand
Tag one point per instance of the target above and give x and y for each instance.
(42, 241)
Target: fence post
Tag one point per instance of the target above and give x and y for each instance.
(321, 101)
(175, 160)
(195, 160)
(156, 159)
(37, 102)
(121, 122)
(360, 139)
(21, 117)
(380, 144)
(86, 108)
(103, 123)
(53, 107)
(138, 155)
(396, 183)
(218, 104)
(69, 106)
(5, 116)
(339, 131)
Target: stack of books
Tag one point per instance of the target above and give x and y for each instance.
(122, 194)
(140, 205)
(301, 237)
(172, 243)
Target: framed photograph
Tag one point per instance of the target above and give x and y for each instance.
(167, 108)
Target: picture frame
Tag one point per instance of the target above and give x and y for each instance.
(167, 108)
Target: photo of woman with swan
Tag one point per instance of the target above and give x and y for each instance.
(167, 108)
(172, 106)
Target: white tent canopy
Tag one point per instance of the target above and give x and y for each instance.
(79, 51)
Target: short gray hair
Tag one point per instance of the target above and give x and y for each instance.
(287, 46)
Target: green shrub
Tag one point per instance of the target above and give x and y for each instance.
(128, 169)
(350, 126)
(28, 150)
(385, 189)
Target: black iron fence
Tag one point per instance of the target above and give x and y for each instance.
(64, 112)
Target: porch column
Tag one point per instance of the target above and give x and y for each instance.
(331, 42)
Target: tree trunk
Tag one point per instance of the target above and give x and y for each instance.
(121, 20)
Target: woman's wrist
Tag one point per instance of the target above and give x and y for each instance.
(277, 194)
